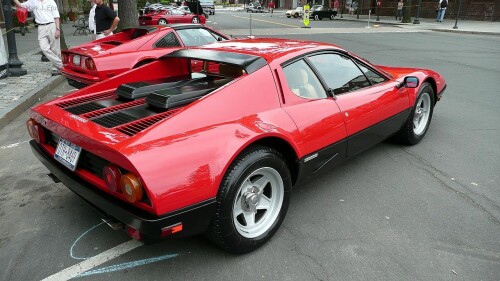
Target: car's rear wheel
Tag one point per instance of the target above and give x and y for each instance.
(296, 15)
(332, 16)
(252, 200)
(162, 22)
(316, 17)
(420, 117)
(195, 20)
(288, 16)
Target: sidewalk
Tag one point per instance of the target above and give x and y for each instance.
(17, 94)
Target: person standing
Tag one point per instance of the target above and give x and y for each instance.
(271, 7)
(92, 19)
(441, 10)
(49, 33)
(4, 62)
(105, 20)
(399, 11)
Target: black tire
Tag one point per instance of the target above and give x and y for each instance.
(288, 16)
(296, 15)
(316, 17)
(332, 16)
(195, 20)
(409, 133)
(162, 22)
(226, 231)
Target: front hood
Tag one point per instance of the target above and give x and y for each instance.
(397, 72)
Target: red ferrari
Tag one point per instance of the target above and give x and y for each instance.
(170, 16)
(166, 152)
(107, 57)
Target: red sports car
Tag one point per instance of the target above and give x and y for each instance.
(165, 151)
(171, 16)
(107, 57)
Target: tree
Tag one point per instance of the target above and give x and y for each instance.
(127, 12)
(407, 11)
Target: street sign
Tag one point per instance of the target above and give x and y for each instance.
(305, 17)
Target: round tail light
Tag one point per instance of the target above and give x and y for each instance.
(35, 130)
(131, 188)
(89, 64)
(112, 176)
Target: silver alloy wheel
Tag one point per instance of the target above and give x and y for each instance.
(258, 202)
(195, 20)
(422, 114)
(316, 17)
(162, 22)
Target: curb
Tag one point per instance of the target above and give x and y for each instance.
(466, 31)
(11, 112)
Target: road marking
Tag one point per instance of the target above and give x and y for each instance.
(127, 265)
(78, 239)
(289, 25)
(13, 145)
(94, 261)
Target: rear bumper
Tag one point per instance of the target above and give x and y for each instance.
(79, 78)
(195, 219)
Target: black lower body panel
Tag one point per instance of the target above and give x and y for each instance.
(76, 84)
(195, 219)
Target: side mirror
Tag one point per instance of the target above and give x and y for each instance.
(409, 82)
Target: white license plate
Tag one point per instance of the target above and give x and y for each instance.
(76, 59)
(67, 153)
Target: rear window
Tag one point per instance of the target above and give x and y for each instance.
(197, 37)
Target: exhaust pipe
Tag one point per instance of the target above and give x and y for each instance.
(113, 223)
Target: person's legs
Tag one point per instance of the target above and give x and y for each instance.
(439, 14)
(442, 14)
(47, 41)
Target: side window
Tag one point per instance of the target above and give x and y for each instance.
(168, 41)
(339, 72)
(302, 81)
(374, 77)
(196, 37)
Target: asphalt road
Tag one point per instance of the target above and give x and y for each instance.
(425, 212)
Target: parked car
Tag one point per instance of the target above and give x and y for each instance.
(208, 6)
(187, 10)
(320, 12)
(165, 151)
(296, 13)
(171, 16)
(254, 8)
(96, 61)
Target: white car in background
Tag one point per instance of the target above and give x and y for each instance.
(297, 13)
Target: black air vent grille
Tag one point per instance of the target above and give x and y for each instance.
(84, 108)
(114, 119)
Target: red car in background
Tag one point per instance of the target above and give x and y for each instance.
(163, 17)
(165, 151)
(101, 59)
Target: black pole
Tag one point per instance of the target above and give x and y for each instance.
(458, 12)
(342, 10)
(378, 16)
(15, 65)
(417, 19)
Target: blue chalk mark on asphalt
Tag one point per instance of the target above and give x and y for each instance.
(126, 265)
(76, 242)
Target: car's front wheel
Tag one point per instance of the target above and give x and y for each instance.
(162, 22)
(252, 200)
(332, 16)
(420, 117)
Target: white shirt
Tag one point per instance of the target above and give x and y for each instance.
(45, 11)
(92, 18)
